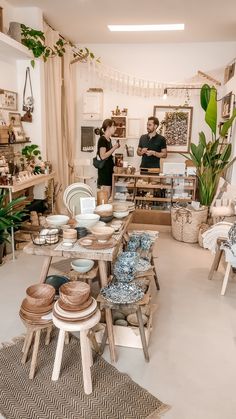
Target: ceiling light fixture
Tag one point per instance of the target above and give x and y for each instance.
(146, 28)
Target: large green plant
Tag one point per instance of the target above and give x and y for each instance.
(211, 157)
(11, 215)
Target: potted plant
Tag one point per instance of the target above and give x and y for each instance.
(29, 154)
(211, 158)
(11, 215)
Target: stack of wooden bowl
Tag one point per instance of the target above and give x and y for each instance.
(38, 303)
(75, 303)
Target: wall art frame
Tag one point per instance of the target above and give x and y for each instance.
(175, 126)
(9, 100)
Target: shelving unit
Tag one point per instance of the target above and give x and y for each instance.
(154, 193)
(9, 48)
(121, 127)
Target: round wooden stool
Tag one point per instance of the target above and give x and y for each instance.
(34, 331)
(83, 327)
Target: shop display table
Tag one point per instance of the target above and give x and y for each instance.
(102, 256)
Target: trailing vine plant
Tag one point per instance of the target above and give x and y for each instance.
(34, 40)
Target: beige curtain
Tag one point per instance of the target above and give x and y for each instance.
(60, 115)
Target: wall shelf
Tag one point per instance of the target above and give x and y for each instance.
(11, 49)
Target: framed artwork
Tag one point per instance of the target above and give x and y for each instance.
(19, 133)
(175, 126)
(226, 106)
(15, 119)
(8, 100)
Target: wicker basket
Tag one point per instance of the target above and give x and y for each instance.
(185, 223)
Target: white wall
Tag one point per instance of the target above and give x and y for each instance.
(158, 62)
(12, 76)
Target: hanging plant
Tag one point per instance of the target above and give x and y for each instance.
(34, 40)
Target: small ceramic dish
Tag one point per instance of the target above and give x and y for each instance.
(82, 265)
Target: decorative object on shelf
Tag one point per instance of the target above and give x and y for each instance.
(120, 293)
(11, 215)
(16, 127)
(175, 126)
(119, 157)
(30, 153)
(8, 100)
(210, 158)
(120, 122)
(129, 150)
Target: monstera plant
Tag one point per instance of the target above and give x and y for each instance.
(211, 156)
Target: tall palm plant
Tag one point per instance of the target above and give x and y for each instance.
(211, 157)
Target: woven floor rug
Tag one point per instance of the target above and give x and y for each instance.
(115, 395)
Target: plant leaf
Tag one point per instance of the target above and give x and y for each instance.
(226, 126)
(205, 96)
(211, 111)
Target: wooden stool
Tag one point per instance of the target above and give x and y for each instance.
(31, 330)
(217, 258)
(88, 277)
(104, 304)
(83, 327)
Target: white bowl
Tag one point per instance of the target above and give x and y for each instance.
(120, 214)
(82, 265)
(57, 220)
(87, 220)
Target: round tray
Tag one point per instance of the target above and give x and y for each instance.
(95, 245)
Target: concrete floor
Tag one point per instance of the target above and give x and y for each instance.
(193, 343)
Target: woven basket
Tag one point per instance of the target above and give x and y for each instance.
(203, 227)
(185, 223)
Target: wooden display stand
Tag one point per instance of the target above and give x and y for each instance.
(138, 184)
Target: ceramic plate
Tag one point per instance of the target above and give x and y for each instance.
(73, 186)
(143, 265)
(122, 293)
(74, 201)
(78, 314)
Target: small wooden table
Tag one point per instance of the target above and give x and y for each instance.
(102, 256)
(20, 186)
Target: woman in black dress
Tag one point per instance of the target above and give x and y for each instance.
(105, 151)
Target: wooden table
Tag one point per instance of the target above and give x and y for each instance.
(102, 256)
(20, 186)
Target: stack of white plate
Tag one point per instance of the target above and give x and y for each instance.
(72, 195)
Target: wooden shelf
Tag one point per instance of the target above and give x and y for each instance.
(143, 198)
(11, 49)
(181, 199)
(34, 180)
(153, 186)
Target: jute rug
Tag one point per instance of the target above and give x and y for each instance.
(115, 395)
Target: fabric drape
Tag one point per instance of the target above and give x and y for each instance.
(60, 115)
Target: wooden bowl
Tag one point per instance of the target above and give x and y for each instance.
(70, 234)
(102, 234)
(74, 293)
(40, 294)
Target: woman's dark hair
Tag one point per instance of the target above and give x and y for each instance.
(154, 119)
(106, 124)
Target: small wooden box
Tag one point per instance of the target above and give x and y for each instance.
(4, 136)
